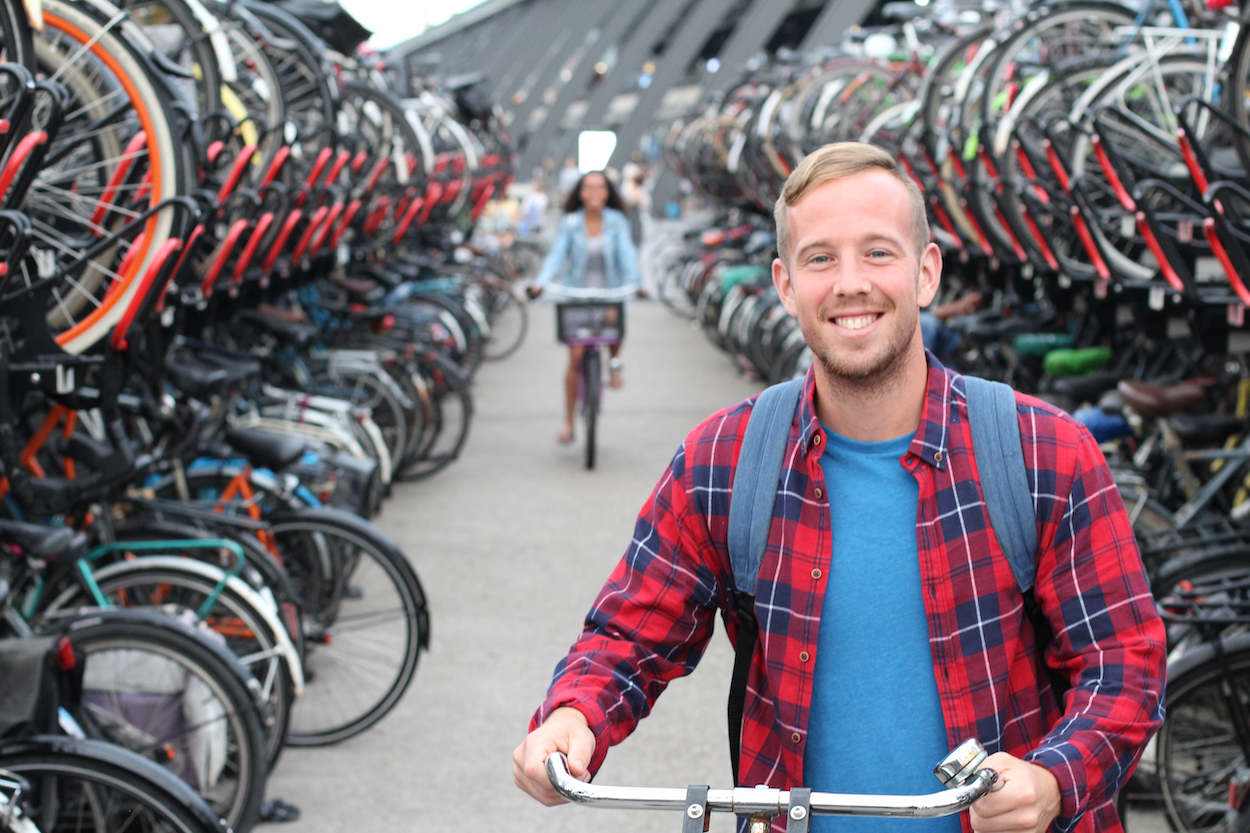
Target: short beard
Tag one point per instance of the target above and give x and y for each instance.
(877, 378)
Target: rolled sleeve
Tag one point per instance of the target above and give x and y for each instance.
(650, 624)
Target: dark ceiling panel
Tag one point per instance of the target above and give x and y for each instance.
(564, 41)
(544, 17)
(636, 49)
(837, 17)
(538, 145)
(754, 30)
(670, 68)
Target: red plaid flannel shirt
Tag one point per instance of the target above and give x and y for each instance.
(655, 615)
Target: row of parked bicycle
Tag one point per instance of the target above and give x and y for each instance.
(1085, 169)
(236, 305)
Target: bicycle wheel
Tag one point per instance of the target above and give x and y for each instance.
(177, 28)
(365, 640)
(248, 633)
(1198, 747)
(119, 119)
(163, 690)
(448, 402)
(508, 313)
(84, 786)
(592, 386)
(366, 390)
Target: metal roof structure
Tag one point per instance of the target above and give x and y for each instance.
(557, 67)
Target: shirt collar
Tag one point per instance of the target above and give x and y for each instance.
(932, 437)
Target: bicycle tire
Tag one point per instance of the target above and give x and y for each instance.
(377, 587)
(449, 398)
(148, 798)
(508, 311)
(79, 31)
(110, 638)
(248, 636)
(1196, 746)
(592, 386)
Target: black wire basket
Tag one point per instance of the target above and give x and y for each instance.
(590, 321)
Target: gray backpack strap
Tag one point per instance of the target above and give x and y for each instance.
(995, 427)
(756, 478)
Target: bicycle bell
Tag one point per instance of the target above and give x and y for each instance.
(957, 768)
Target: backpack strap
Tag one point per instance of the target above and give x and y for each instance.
(751, 504)
(755, 480)
(995, 427)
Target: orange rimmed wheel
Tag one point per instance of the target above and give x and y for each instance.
(114, 157)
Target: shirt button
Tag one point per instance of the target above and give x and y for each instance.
(819, 493)
(817, 573)
(796, 737)
(803, 656)
(816, 440)
(937, 457)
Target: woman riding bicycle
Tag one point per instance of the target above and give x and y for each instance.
(592, 250)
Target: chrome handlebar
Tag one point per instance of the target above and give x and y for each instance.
(971, 785)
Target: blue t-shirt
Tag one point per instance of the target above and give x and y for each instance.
(876, 722)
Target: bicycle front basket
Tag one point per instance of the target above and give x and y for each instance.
(590, 321)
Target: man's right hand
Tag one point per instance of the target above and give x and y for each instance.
(565, 730)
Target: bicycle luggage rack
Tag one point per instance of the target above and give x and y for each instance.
(960, 772)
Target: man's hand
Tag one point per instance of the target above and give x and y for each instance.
(1029, 799)
(565, 730)
(533, 291)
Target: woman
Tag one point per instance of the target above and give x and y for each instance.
(592, 250)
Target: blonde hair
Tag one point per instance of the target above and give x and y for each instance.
(838, 161)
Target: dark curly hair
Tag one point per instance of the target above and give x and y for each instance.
(574, 200)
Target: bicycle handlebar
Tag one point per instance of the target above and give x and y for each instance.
(746, 801)
(588, 293)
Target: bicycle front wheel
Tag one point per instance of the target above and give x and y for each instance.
(592, 386)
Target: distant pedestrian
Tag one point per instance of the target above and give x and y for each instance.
(570, 176)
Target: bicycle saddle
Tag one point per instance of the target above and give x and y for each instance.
(194, 378)
(239, 366)
(1206, 428)
(46, 542)
(265, 448)
(298, 332)
(1160, 400)
(1086, 388)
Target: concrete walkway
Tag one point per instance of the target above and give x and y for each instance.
(512, 543)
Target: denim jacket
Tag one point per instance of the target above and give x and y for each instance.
(566, 261)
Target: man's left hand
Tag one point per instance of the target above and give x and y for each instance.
(1028, 801)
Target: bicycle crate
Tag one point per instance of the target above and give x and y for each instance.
(590, 322)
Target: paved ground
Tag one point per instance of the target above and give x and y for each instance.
(511, 544)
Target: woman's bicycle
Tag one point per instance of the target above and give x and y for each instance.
(591, 319)
(960, 772)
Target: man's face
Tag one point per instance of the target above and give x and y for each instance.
(855, 280)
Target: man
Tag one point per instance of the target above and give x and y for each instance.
(891, 627)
